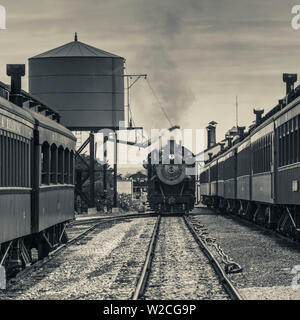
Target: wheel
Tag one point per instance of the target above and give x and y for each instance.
(43, 250)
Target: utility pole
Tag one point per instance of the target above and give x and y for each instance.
(105, 170)
(92, 170)
(135, 78)
(237, 111)
(115, 205)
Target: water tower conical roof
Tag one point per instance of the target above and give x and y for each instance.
(75, 49)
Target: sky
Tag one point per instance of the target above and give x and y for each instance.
(198, 54)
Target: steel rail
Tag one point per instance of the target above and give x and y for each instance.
(226, 283)
(116, 218)
(39, 263)
(142, 282)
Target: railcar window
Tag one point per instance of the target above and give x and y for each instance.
(17, 156)
(279, 139)
(220, 170)
(288, 138)
(294, 140)
(291, 137)
(53, 165)
(61, 163)
(2, 158)
(72, 167)
(9, 162)
(214, 173)
(13, 156)
(204, 177)
(27, 162)
(262, 154)
(6, 155)
(67, 167)
(45, 158)
(13, 160)
(229, 168)
(284, 144)
(244, 162)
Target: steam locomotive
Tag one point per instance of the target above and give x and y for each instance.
(36, 175)
(171, 179)
(256, 174)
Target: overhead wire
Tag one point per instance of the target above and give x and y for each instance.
(159, 102)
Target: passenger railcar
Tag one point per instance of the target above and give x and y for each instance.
(36, 176)
(258, 173)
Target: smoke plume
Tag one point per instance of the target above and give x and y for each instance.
(163, 23)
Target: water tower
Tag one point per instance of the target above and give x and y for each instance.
(83, 83)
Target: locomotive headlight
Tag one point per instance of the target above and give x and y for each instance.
(171, 156)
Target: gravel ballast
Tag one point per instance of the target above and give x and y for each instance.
(267, 260)
(103, 265)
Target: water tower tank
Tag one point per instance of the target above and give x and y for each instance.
(83, 83)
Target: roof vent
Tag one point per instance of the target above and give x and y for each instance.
(222, 145)
(289, 79)
(241, 132)
(229, 140)
(281, 103)
(16, 72)
(258, 113)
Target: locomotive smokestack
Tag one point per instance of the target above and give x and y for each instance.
(258, 114)
(16, 72)
(241, 132)
(211, 134)
(289, 79)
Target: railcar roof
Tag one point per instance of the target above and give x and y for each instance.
(35, 118)
(14, 109)
(45, 122)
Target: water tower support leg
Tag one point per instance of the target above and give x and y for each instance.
(115, 172)
(92, 170)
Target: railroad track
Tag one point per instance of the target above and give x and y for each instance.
(116, 218)
(143, 280)
(96, 223)
(144, 276)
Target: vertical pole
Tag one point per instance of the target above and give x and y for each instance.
(105, 167)
(237, 111)
(128, 103)
(92, 170)
(115, 172)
